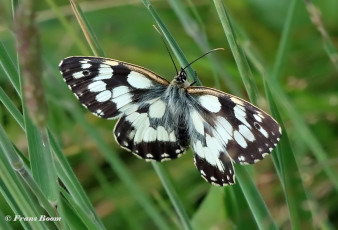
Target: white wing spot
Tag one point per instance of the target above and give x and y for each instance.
(85, 65)
(197, 121)
(162, 134)
(129, 109)
(263, 131)
(105, 72)
(258, 118)
(149, 155)
(210, 153)
(241, 115)
(240, 140)
(132, 117)
(131, 135)
(165, 155)
(141, 123)
(157, 109)
(210, 103)
(122, 100)
(172, 137)
(139, 81)
(241, 158)
(99, 112)
(265, 154)
(246, 133)
(78, 75)
(118, 91)
(97, 86)
(103, 96)
(149, 134)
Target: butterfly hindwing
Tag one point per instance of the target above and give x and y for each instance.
(231, 130)
(148, 132)
(108, 87)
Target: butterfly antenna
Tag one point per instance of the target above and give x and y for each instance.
(203, 56)
(166, 46)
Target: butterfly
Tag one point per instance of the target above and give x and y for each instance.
(159, 120)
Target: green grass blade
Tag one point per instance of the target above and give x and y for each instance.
(175, 200)
(238, 53)
(70, 30)
(11, 108)
(80, 213)
(256, 203)
(14, 185)
(70, 216)
(122, 171)
(295, 194)
(259, 210)
(35, 137)
(71, 182)
(199, 35)
(304, 133)
(171, 41)
(4, 224)
(284, 159)
(86, 29)
(41, 161)
(10, 69)
(329, 46)
(211, 211)
(7, 194)
(283, 44)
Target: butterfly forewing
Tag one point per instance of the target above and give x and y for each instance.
(108, 87)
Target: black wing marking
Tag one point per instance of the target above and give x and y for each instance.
(226, 127)
(108, 87)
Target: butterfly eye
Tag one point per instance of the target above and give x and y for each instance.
(182, 77)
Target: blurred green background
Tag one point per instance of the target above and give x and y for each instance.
(308, 75)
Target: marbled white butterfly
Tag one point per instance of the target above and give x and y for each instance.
(159, 120)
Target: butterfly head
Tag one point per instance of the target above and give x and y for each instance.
(181, 79)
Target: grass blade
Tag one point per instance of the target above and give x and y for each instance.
(238, 53)
(283, 44)
(175, 200)
(86, 29)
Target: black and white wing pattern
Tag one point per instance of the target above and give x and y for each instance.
(113, 89)
(227, 129)
(108, 87)
(158, 120)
